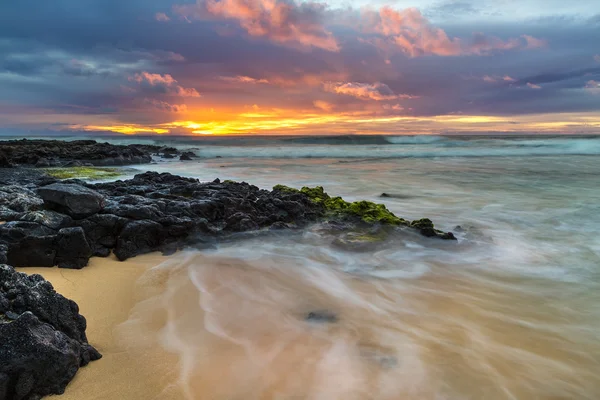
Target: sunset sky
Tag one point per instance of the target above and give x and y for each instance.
(299, 67)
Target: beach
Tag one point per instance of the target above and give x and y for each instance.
(105, 292)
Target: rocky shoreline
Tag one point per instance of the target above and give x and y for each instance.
(49, 222)
(55, 153)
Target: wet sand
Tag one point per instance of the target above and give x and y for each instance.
(105, 292)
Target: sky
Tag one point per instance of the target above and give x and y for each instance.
(212, 67)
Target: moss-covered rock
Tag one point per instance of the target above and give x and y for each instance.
(285, 189)
(366, 211)
(90, 173)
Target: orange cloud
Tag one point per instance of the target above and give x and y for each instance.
(410, 32)
(243, 79)
(533, 86)
(283, 22)
(163, 84)
(507, 78)
(323, 105)
(364, 91)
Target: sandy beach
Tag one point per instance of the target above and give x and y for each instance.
(105, 292)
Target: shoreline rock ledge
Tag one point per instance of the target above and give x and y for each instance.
(42, 338)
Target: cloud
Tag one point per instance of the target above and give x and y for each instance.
(534, 43)
(163, 84)
(597, 58)
(243, 79)
(410, 32)
(593, 87)
(161, 17)
(533, 86)
(282, 21)
(495, 79)
(323, 105)
(364, 91)
(164, 106)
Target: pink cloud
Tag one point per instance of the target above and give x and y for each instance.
(364, 91)
(410, 32)
(489, 79)
(164, 106)
(593, 87)
(161, 17)
(163, 84)
(533, 86)
(507, 78)
(323, 105)
(282, 21)
(597, 58)
(243, 79)
(534, 43)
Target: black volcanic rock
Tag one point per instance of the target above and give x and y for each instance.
(74, 200)
(73, 220)
(43, 341)
(4, 162)
(72, 248)
(55, 153)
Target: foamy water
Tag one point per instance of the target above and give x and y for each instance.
(511, 311)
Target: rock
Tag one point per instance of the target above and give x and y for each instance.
(35, 359)
(20, 199)
(426, 228)
(187, 156)
(43, 337)
(74, 200)
(4, 162)
(138, 237)
(240, 222)
(3, 253)
(50, 219)
(52, 153)
(72, 248)
(29, 244)
(321, 316)
(102, 230)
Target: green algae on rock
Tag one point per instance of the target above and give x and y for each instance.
(90, 173)
(367, 211)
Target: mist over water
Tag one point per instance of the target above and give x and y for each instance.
(511, 311)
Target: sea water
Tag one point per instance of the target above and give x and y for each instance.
(509, 311)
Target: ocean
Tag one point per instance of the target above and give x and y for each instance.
(509, 311)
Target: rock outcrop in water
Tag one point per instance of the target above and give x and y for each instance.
(56, 153)
(42, 338)
(65, 223)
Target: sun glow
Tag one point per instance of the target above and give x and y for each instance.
(280, 121)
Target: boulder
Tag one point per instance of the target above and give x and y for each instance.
(29, 244)
(35, 359)
(47, 218)
(187, 156)
(101, 231)
(43, 337)
(74, 200)
(139, 237)
(20, 199)
(72, 248)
